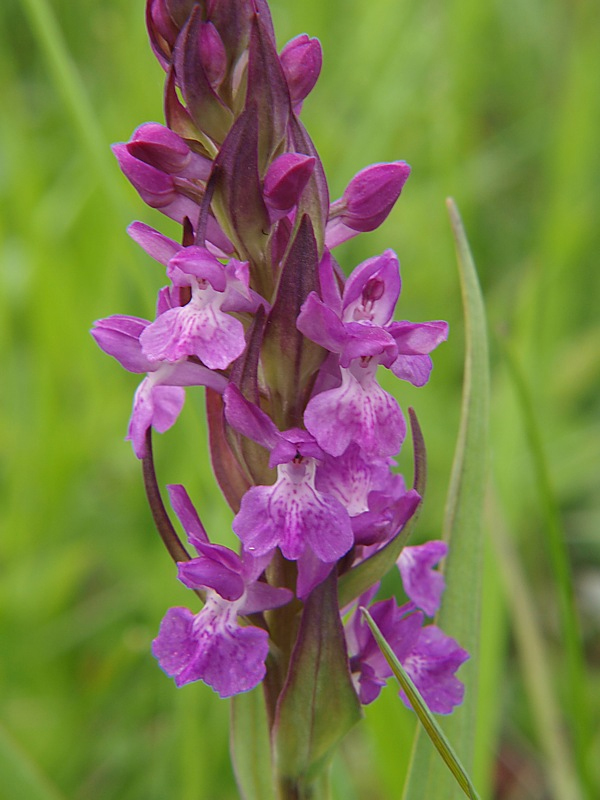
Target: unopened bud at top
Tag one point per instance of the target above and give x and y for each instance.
(301, 60)
(164, 21)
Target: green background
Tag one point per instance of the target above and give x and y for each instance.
(495, 103)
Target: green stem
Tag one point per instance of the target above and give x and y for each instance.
(283, 628)
(316, 789)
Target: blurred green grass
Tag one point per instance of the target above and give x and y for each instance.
(494, 103)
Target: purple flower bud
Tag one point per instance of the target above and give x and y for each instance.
(161, 30)
(164, 171)
(155, 187)
(368, 199)
(301, 60)
(284, 182)
(205, 107)
(212, 53)
(156, 145)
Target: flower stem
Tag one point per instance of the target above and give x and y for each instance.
(303, 789)
(163, 524)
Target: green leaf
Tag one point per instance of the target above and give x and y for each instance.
(460, 612)
(250, 746)
(318, 704)
(426, 718)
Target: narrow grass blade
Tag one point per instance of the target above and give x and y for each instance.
(69, 85)
(534, 659)
(21, 776)
(425, 716)
(555, 543)
(250, 747)
(460, 613)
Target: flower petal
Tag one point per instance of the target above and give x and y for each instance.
(357, 411)
(423, 585)
(431, 665)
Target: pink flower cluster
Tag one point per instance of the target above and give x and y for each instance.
(258, 311)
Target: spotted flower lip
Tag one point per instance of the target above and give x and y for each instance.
(212, 646)
(159, 398)
(202, 327)
(292, 514)
(376, 499)
(432, 664)
(359, 411)
(199, 329)
(423, 585)
(430, 657)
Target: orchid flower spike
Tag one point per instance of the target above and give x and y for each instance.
(303, 438)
